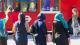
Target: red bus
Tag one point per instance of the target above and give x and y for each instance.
(51, 6)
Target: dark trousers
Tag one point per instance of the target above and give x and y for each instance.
(3, 41)
(40, 40)
(62, 40)
(21, 42)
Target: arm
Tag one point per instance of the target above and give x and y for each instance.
(33, 29)
(27, 27)
(53, 32)
(6, 16)
(14, 28)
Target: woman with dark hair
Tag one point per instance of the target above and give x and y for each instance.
(21, 31)
(40, 30)
(60, 30)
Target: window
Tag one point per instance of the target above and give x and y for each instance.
(0, 5)
(32, 6)
(56, 5)
(24, 6)
(7, 3)
(28, 5)
(46, 5)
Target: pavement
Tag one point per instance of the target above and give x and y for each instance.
(73, 41)
(11, 41)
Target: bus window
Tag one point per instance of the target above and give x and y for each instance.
(56, 5)
(28, 5)
(23, 6)
(45, 5)
(32, 6)
(0, 5)
(8, 3)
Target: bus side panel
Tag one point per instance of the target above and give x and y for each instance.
(78, 6)
(66, 7)
(2, 15)
(49, 21)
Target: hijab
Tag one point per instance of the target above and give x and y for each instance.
(59, 17)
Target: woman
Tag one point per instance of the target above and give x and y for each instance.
(60, 30)
(75, 23)
(21, 31)
(40, 30)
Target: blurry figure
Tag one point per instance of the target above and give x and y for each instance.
(18, 7)
(9, 9)
(24, 7)
(3, 33)
(75, 24)
(40, 30)
(60, 30)
(9, 12)
(32, 7)
(21, 30)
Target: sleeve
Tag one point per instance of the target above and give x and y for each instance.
(45, 28)
(53, 32)
(57, 28)
(34, 28)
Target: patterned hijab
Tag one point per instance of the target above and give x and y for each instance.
(59, 17)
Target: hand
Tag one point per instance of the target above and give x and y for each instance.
(35, 34)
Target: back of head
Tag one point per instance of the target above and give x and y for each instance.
(75, 11)
(58, 16)
(22, 18)
(41, 16)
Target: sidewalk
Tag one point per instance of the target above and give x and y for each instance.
(73, 41)
(10, 41)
